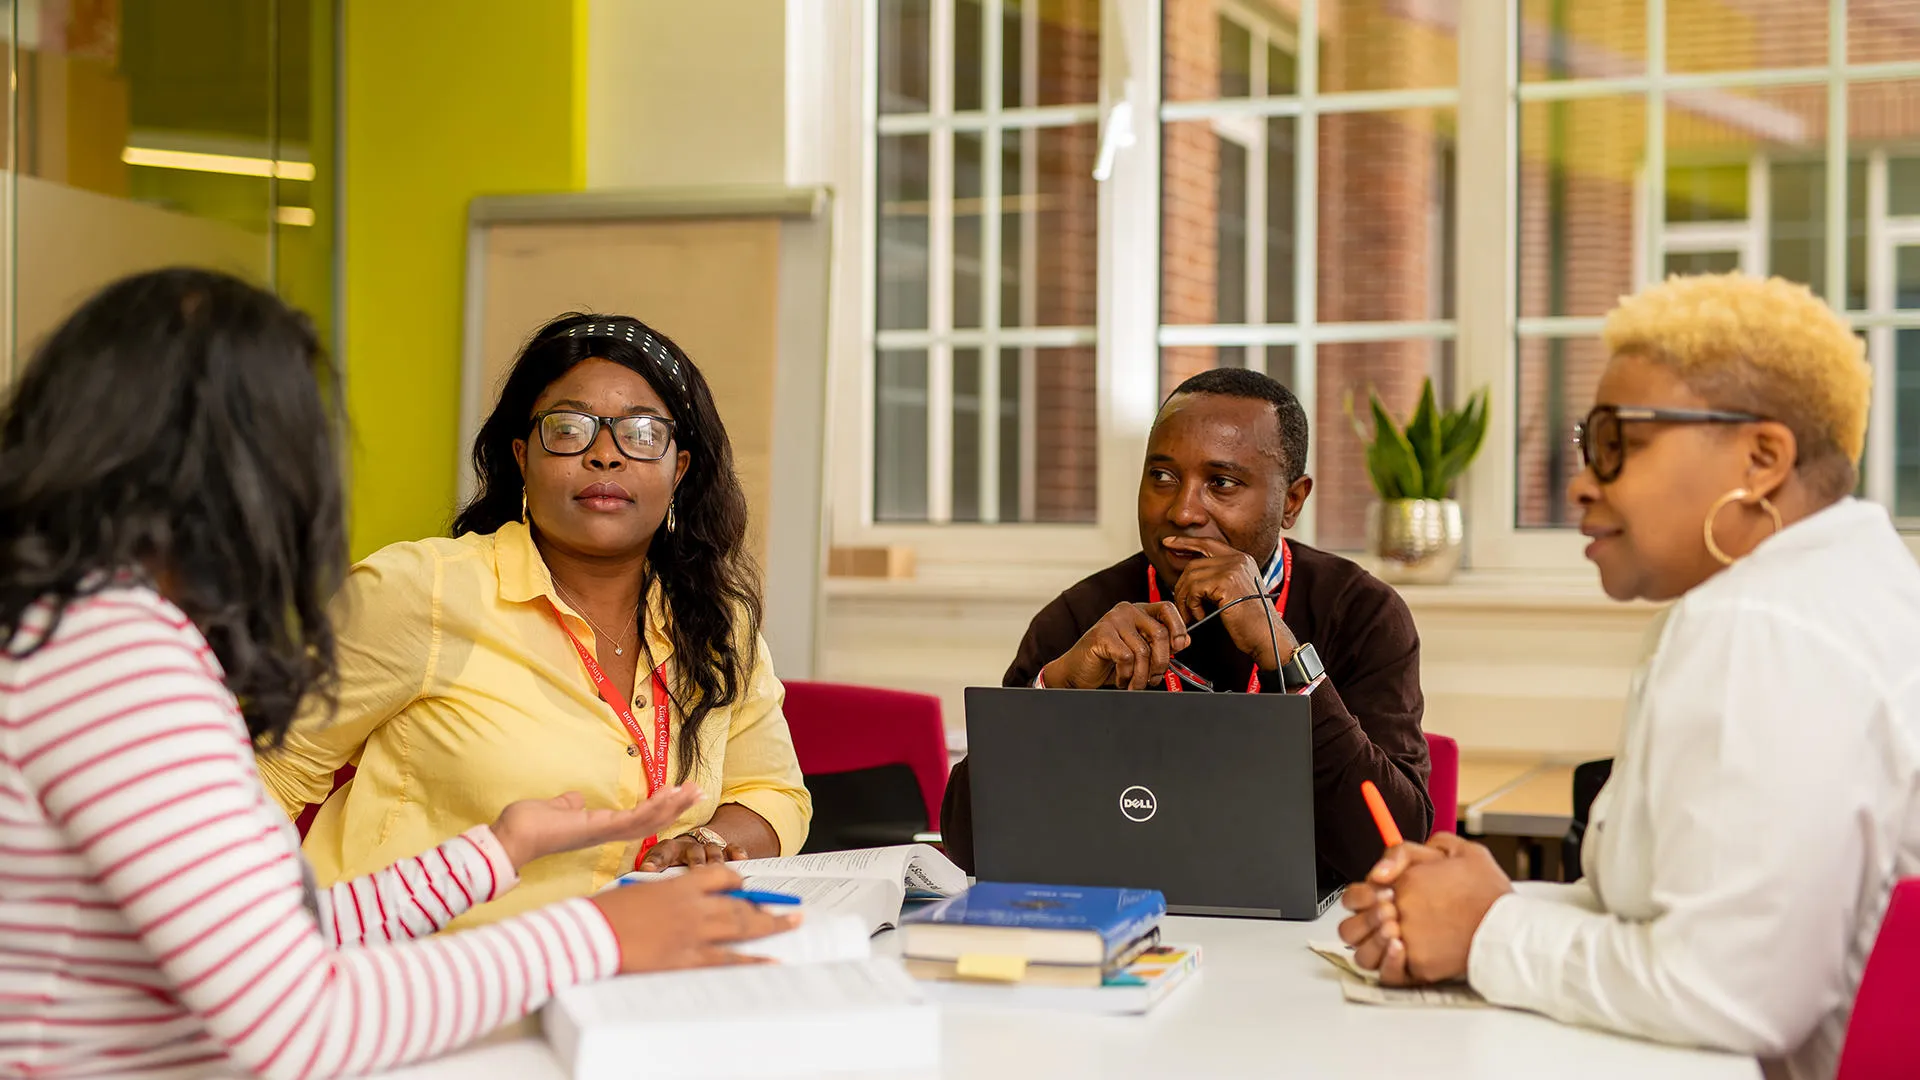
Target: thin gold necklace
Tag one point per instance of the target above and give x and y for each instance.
(619, 647)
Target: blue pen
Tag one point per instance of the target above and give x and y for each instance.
(752, 896)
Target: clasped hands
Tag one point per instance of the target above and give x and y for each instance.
(1415, 916)
(1133, 644)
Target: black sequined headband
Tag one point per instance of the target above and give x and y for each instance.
(646, 340)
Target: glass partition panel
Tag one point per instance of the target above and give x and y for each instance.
(149, 133)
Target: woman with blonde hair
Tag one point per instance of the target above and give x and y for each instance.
(1763, 796)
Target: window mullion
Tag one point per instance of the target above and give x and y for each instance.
(1306, 234)
(1882, 415)
(1254, 244)
(1129, 280)
(1029, 263)
(1836, 208)
(1486, 179)
(991, 161)
(940, 271)
(1653, 219)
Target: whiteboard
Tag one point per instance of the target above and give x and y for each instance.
(738, 278)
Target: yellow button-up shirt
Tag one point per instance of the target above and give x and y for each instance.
(460, 694)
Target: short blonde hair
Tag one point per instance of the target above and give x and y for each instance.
(1769, 347)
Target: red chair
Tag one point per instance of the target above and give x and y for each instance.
(1443, 783)
(305, 820)
(1883, 1042)
(849, 739)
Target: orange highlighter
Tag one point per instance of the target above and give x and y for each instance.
(1389, 832)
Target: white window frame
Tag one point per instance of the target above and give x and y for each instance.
(1249, 132)
(1488, 272)
(1486, 326)
(1886, 234)
(940, 541)
(1745, 239)
(1308, 103)
(1881, 319)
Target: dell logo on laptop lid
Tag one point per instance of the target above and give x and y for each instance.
(1138, 803)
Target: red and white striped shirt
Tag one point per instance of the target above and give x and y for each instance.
(153, 918)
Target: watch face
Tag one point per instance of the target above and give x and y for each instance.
(1302, 667)
(1310, 665)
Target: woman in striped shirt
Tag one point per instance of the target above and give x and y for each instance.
(170, 529)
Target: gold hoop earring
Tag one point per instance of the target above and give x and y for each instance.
(670, 521)
(523, 504)
(1736, 495)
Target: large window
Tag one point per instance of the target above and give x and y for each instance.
(985, 269)
(1776, 137)
(1339, 193)
(1306, 211)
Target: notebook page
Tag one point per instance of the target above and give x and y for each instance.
(1451, 996)
(873, 901)
(887, 863)
(928, 871)
(918, 868)
(1340, 955)
(1361, 986)
(823, 938)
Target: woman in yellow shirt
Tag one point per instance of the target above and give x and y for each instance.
(592, 626)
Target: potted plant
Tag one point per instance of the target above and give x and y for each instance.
(1414, 531)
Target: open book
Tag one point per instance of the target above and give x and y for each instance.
(822, 938)
(871, 883)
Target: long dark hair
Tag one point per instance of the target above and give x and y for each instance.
(702, 565)
(176, 427)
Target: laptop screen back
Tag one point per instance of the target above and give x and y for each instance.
(1206, 797)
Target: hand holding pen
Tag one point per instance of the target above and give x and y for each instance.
(1416, 914)
(709, 917)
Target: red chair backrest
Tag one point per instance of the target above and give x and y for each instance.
(1443, 783)
(1883, 1037)
(839, 728)
(305, 820)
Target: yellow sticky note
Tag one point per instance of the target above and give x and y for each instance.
(991, 968)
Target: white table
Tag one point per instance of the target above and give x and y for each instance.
(1261, 1005)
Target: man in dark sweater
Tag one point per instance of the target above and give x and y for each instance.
(1224, 478)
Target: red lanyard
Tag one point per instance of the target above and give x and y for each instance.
(653, 765)
(1279, 608)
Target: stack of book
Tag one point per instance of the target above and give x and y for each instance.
(1090, 949)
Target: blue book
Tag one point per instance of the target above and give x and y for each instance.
(1040, 924)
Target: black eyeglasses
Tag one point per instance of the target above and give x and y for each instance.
(567, 432)
(1602, 439)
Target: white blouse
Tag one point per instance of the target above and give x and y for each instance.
(1762, 804)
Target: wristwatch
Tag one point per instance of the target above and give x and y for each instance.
(707, 836)
(1301, 669)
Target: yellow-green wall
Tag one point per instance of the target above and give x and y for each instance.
(444, 100)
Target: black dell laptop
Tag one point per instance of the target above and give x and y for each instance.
(1206, 797)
